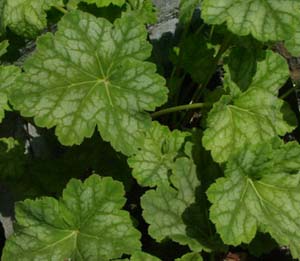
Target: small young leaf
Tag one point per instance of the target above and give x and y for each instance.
(3, 47)
(265, 20)
(12, 159)
(187, 8)
(260, 191)
(27, 17)
(190, 257)
(92, 73)
(163, 207)
(86, 224)
(156, 157)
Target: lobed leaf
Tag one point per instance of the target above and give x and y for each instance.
(163, 207)
(265, 20)
(92, 73)
(86, 224)
(155, 159)
(260, 191)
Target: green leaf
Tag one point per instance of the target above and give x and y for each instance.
(265, 20)
(163, 207)
(27, 17)
(92, 73)
(251, 116)
(186, 10)
(197, 58)
(155, 159)
(139, 256)
(293, 44)
(143, 10)
(8, 75)
(3, 46)
(86, 224)
(242, 63)
(260, 191)
(190, 257)
(12, 159)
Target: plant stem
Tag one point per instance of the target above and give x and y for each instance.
(180, 108)
(287, 93)
(61, 9)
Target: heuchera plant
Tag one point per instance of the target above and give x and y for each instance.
(114, 153)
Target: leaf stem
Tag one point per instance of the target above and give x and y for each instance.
(180, 108)
(61, 9)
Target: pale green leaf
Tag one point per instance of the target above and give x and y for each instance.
(163, 207)
(190, 257)
(27, 17)
(8, 75)
(257, 195)
(12, 159)
(3, 46)
(86, 224)
(155, 159)
(265, 20)
(142, 256)
(271, 73)
(186, 10)
(92, 73)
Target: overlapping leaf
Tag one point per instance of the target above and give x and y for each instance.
(92, 73)
(197, 59)
(27, 17)
(86, 224)
(293, 44)
(252, 116)
(99, 3)
(2, 27)
(260, 191)
(163, 207)
(265, 20)
(155, 159)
